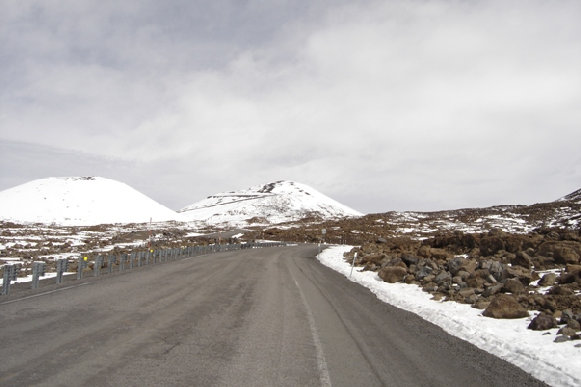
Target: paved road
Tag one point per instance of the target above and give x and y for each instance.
(268, 317)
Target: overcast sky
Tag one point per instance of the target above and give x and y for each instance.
(382, 105)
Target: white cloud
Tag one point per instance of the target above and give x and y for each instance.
(408, 104)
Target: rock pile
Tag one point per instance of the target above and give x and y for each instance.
(505, 274)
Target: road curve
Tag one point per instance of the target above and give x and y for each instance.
(262, 317)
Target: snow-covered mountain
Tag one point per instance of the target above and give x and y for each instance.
(272, 203)
(79, 201)
(573, 196)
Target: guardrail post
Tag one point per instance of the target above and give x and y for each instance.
(110, 261)
(98, 265)
(10, 274)
(61, 266)
(81, 265)
(38, 269)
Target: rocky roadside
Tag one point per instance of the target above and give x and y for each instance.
(507, 275)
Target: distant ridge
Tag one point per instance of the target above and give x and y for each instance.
(79, 201)
(271, 203)
(575, 196)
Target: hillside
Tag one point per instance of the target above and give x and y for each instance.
(573, 196)
(564, 213)
(79, 201)
(273, 203)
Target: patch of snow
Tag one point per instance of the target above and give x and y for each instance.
(55, 257)
(28, 278)
(533, 351)
(11, 259)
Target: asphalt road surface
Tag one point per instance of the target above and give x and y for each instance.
(263, 317)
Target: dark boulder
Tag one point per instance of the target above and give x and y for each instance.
(566, 315)
(410, 259)
(543, 322)
(513, 286)
(560, 291)
(566, 255)
(548, 279)
(392, 274)
(490, 245)
(423, 272)
(571, 277)
(505, 306)
(574, 324)
(493, 289)
(523, 275)
(444, 276)
(455, 264)
(522, 259)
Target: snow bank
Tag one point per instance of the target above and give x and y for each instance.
(558, 364)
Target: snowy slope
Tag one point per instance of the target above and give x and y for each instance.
(277, 202)
(573, 196)
(79, 201)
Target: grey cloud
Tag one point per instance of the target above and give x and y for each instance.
(390, 105)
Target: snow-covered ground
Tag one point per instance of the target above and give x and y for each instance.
(28, 278)
(558, 364)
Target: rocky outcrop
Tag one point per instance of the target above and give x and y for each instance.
(496, 271)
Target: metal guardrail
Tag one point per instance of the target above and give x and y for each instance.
(124, 261)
